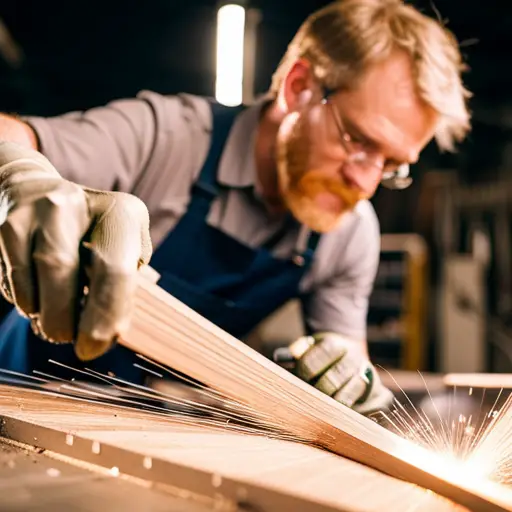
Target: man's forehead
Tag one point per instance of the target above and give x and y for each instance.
(385, 108)
(391, 80)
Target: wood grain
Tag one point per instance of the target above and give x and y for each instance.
(213, 462)
(169, 332)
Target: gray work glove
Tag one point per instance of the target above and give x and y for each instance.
(338, 368)
(45, 223)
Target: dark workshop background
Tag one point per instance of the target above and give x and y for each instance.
(79, 54)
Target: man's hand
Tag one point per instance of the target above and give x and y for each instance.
(59, 241)
(340, 369)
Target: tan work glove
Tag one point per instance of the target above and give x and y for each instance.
(339, 369)
(46, 222)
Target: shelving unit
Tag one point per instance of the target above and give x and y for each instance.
(397, 309)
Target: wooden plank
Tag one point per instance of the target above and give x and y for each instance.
(169, 332)
(479, 380)
(226, 466)
(424, 382)
(413, 382)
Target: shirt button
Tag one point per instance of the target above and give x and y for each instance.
(298, 260)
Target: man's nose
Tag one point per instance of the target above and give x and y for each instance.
(366, 179)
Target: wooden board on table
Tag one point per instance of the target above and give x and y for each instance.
(168, 331)
(479, 380)
(424, 382)
(408, 382)
(214, 465)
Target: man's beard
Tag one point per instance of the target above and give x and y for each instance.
(317, 199)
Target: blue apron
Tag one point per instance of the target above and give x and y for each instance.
(229, 283)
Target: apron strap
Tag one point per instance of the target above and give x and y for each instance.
(206, 188)
(303, 258)
(313, 240)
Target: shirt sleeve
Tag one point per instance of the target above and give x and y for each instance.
(105, 148)
(340, 304)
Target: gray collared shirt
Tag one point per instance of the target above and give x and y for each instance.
(154, 146)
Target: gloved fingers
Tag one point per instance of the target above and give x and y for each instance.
(380, 399)
(63, 220)
(18, 284)
(320, 357)
(146, 250)
(355, 389)
(338, 375)
(117, 250)
(5, 275)
(25, 176)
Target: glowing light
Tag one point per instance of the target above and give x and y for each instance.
(230, 54)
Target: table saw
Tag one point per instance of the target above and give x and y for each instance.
(64, 453)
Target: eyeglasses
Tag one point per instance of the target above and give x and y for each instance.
(394, 176)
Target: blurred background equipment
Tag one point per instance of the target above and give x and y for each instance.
(477, 279)
(397, 317)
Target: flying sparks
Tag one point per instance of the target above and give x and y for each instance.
(477, 447)
(470, 448)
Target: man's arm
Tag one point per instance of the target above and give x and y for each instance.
(14, 129)
(104, 148)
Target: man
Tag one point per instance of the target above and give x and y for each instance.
(248, 208)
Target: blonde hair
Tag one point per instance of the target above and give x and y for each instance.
(341, 40)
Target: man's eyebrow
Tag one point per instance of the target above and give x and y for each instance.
(359, 132)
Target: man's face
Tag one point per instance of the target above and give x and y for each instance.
(333, 154)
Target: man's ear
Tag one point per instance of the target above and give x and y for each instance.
(304, 98)
(297, 86)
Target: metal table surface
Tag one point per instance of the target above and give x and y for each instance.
(31, 481)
